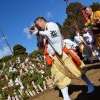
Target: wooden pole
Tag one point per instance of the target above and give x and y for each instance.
(76, 25)
(6, 40)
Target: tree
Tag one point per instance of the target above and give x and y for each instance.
(75, 19)
(19, 50)
(6, 58)
(63, 30)
(95, 6)
(36, 53)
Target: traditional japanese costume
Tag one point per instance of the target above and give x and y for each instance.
(63, 65)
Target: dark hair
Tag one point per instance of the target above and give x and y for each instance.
(87, 7)
(84, 26)
(84, 8)
(40, 18)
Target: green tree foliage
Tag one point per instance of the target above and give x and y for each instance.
(95, 6)
(75, 19)
(6, 58)
(1, 65)
(63, 30)
(19, 50)
(36, 53)
(13, 75)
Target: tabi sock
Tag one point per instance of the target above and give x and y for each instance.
(99, 58)
(65, 93)
(90, 59)
(89, 84)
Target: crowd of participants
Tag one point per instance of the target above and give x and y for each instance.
(84, 45)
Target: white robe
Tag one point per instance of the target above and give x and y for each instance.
(92, 35)
(86, 49)
(69, 44)
(55, 43)
(87, 37)
(96, 52)
(77, 40)
(61, 77)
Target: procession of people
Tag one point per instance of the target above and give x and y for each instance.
(67, 56)
(60, 53)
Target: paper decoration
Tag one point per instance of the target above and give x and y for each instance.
(27, 93)
(21, 92)
(9, 98)
(44, 84)
(16, 97)
(20, 97)
(35, 87)
(6, 76)
(31, 94)
(13, 98)
(11, 83)
(40, 88)
(18, 60)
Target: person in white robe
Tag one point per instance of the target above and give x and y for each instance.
(70, 44)
(90, 39)
(62, 72)
(83, 46)
(73, 47)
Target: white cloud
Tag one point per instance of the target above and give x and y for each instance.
(6, 51)
(26, 31)
(49, 15)
(1, 40)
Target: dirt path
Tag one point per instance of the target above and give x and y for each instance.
(78, 88)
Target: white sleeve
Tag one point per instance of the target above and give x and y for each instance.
(52, 30)
(45, 33)
(92, 35)
(76, 40)
(54, 36)
(35, 31)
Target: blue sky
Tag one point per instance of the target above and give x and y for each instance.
(17, 16)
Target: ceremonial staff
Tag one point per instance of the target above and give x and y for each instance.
(76, 25)
(6, 40)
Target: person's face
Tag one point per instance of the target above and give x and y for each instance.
(76, 32)
(82, 32)
(88, 11)
(40, 24)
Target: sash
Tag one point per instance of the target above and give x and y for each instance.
(75, 59)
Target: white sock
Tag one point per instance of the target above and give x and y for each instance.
(99, 58)
(93, 53)
(65, 93)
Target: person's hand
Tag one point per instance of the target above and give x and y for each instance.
(33, 30)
